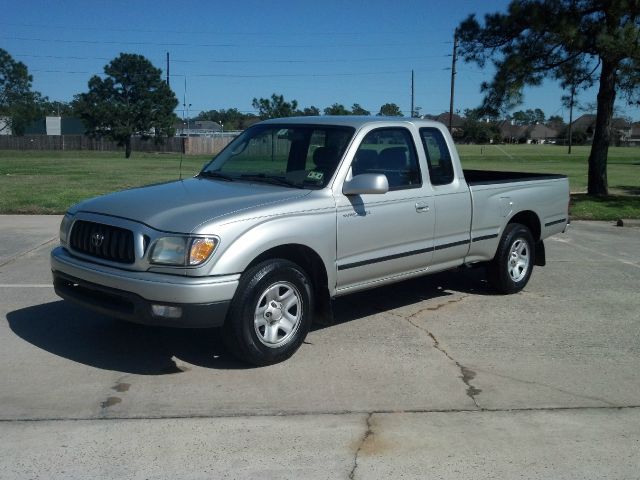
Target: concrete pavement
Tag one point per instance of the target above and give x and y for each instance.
(434, 377)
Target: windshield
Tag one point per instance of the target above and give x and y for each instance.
(300, 156)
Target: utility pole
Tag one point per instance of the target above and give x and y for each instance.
(184, 105)
(453, 77)
(412, 96)
(573, 91)
(167, 68)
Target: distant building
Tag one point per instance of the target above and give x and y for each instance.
(634, 137)
(197, 128)
(511, 133)
(457, 122)
(56, 126)
(5, 128)
(621, 128)
(540, 133)
(53, 125)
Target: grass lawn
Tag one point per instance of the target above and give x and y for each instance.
(623, 174)
(49, 182)
(52, 181)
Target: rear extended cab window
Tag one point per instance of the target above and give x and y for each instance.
(438, 156)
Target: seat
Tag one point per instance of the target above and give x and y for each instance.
(364, 162)
(394, 158)
(394, 163)
(325, 159)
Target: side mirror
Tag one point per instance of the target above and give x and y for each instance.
(366, 183)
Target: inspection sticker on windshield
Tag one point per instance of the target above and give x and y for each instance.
(313, 175)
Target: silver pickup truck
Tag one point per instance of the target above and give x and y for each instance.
(293, 213)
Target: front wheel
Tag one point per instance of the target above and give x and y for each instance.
(511, 268)
(270, 314)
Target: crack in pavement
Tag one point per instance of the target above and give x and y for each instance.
(437, 307)
(316, 413)
(466, 374)
(550, 387)
(367, 434)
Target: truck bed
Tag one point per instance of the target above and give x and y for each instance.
(487, 177)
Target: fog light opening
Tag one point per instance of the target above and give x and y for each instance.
(166, 311)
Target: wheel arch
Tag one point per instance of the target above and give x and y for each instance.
(529, 219)
(311, 262)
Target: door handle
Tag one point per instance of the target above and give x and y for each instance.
(422, 207)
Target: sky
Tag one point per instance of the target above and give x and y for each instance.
(223, 54)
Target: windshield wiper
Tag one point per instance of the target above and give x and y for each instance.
(272, 179)
(215, 174)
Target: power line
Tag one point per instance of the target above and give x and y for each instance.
(210, 32)
(208, 45)
(242, 61)
(233, 75)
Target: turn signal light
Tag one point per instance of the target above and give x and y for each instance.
(201, 249)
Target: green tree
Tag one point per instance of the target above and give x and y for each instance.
(477, 130)
(528, 117)
(275, 107)
(538, 116)
(131, 100)
(336, 109)
(537, 39)
(57, 108)
(390, 110)
(231, 119)
(311, 111)
(356, 109)
(555, 121)
(521, 118)
(18, 103)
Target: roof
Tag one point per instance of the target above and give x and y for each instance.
(507, 129)
(355, 121)
(584, 122)
(456, 120)
(542, 131)
(587, 121)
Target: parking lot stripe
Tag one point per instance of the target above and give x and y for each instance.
(591, 250)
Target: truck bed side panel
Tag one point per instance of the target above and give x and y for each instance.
(495, 204)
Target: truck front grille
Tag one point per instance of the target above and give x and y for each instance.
(102, 241)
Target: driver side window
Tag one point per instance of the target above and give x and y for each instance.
(389, 151)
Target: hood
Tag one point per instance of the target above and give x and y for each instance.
(182, 205)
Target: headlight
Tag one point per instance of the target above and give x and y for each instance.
(182, 251)
(65, 226)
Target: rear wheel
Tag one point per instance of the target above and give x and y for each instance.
(511, 268)
(270, 314)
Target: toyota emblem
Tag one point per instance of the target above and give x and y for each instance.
(97, 239)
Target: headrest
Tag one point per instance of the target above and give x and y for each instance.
(394, 158)
(325, 157)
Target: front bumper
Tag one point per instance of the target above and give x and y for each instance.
(129, 295)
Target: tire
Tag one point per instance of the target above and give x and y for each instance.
(511, 268)
(270, 314)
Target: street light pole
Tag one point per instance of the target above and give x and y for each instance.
(188, 106)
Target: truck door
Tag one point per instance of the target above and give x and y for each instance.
(452, 202)
(385, 235)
